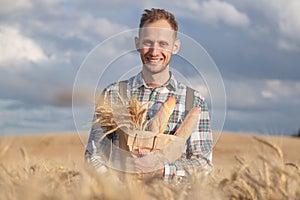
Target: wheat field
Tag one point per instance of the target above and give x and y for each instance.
(51, 166)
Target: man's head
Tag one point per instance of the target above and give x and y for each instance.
(157, 40)
(154, 15)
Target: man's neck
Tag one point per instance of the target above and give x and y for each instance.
(156, 80)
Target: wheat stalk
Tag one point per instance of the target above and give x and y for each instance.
(273, 146)
(24, 155)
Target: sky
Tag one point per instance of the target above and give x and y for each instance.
(255, 45)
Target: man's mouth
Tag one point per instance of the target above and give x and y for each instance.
(154, 61)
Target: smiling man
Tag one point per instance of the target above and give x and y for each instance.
(156, 43)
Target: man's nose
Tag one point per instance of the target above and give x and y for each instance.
(154, 49)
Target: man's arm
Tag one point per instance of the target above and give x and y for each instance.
(98, 150)
(95, 149)
(197, 156)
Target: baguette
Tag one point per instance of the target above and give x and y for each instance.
(160, 120)
(188, 125)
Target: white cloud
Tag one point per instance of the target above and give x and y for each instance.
(285, 45)
(289, 19)
(266, 94)
(283, 89)
(213, 11)
(285, 14)
(100, 26)
(276, 21)
(16, 47)
(8, 6)
(259, 105)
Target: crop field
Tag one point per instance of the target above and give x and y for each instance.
(52, 167)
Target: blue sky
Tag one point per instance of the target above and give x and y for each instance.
(254, 43)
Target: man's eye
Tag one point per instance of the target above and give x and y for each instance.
(163, 44)
(147, 43)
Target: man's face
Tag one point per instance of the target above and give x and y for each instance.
(156, 44)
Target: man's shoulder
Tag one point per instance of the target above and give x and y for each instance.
(112, 87)
(191, 90)
(115, 85)
(198, 95)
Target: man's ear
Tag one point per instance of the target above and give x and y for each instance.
(137, 43)
(176, 46)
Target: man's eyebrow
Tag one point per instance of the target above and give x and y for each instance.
(163, 42)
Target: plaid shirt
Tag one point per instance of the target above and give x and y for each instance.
(196, 156)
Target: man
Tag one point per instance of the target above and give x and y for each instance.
(156, 42)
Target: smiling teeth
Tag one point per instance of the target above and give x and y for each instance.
(155, 61)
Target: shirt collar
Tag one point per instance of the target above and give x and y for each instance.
(170, 85)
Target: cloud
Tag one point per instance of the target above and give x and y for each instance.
(100, 26)
(15, 47)
(288, 15)
(213, 12)
(288, 90)
(269, 106)
(264, 95)
(18, 118)
(280, 18)
(42, 50)
(285, 45)
(8, 7)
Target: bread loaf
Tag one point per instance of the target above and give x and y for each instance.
(188, 125)
(160, 120)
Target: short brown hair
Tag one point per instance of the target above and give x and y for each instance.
(157, 14)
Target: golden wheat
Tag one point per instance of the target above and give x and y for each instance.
(271, 181)
(30, 178)
(133, 115)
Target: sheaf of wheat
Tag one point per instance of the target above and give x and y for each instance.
(131, 116)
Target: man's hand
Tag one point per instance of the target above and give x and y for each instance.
(149, 165)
